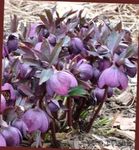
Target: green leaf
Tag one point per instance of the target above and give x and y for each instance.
(45, 75)
(44, 20)
(55, 53)
(77, 91)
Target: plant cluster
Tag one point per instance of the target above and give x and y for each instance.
(58, 72)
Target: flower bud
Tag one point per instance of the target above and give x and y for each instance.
(52, 39)
(85, 70)
(53, 105)
(12, 136)
(2, 141)
(99, 93)
(76, 46)
(96, 75)
(24, 71)
(36, 119)
(60, 82)
(20, 124)
(2, 103)
(104, 64)
(12, 43)
(113, 77)
(43, 33)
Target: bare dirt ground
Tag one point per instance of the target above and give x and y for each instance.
(115, 127)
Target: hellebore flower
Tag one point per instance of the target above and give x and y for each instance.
(2, 103)
(76, 46)
(2, 141)
(11, 135)
(96, 75)
(113, 77)
(9, 88)
(43, 32)
(52, 39)
(60, 82)
(99, 93)
(36, 119)
(53, 105)
(103, 64)
(24, 71)
(85, 70)
(12, 43)
(20, 124)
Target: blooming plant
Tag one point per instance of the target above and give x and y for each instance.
(58, 68)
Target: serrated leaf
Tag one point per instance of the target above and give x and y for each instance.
(56, 51)
(77, 91)
(45, 75)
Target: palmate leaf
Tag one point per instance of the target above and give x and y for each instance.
(45, 75)
(77, 91)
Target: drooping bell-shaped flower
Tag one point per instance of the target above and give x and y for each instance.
(12, 43)
(24, 71)
(52, 39)
(11, 135)
(85, 70)
(43, 33)
(96, 75)
(60, 83)
(76, 46)
(8, 88)
(103, 64)
(99, 93)
(53, 105)
(36, 119)
(113, 77)
(2, 103)
(2, 141)
(20, 124)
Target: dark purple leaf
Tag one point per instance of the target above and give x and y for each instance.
(25, 90)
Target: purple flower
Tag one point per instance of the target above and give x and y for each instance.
(9, 88)
(53, 105)
(24, 70)
(20, 124)
(12, 136)
(76, 46)
(52, 39)
(113, 77)
(60, 82)
(99, 93)
(103, 64)
(2, 103)
(36, 119)
(2, 141)
(12, 43)
(85, 70)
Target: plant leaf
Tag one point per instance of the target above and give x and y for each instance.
(45, 75)
(77, 91)
(56, 51)
(26, 90)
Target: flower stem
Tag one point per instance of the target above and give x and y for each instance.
(69, 114)
(92, 119)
